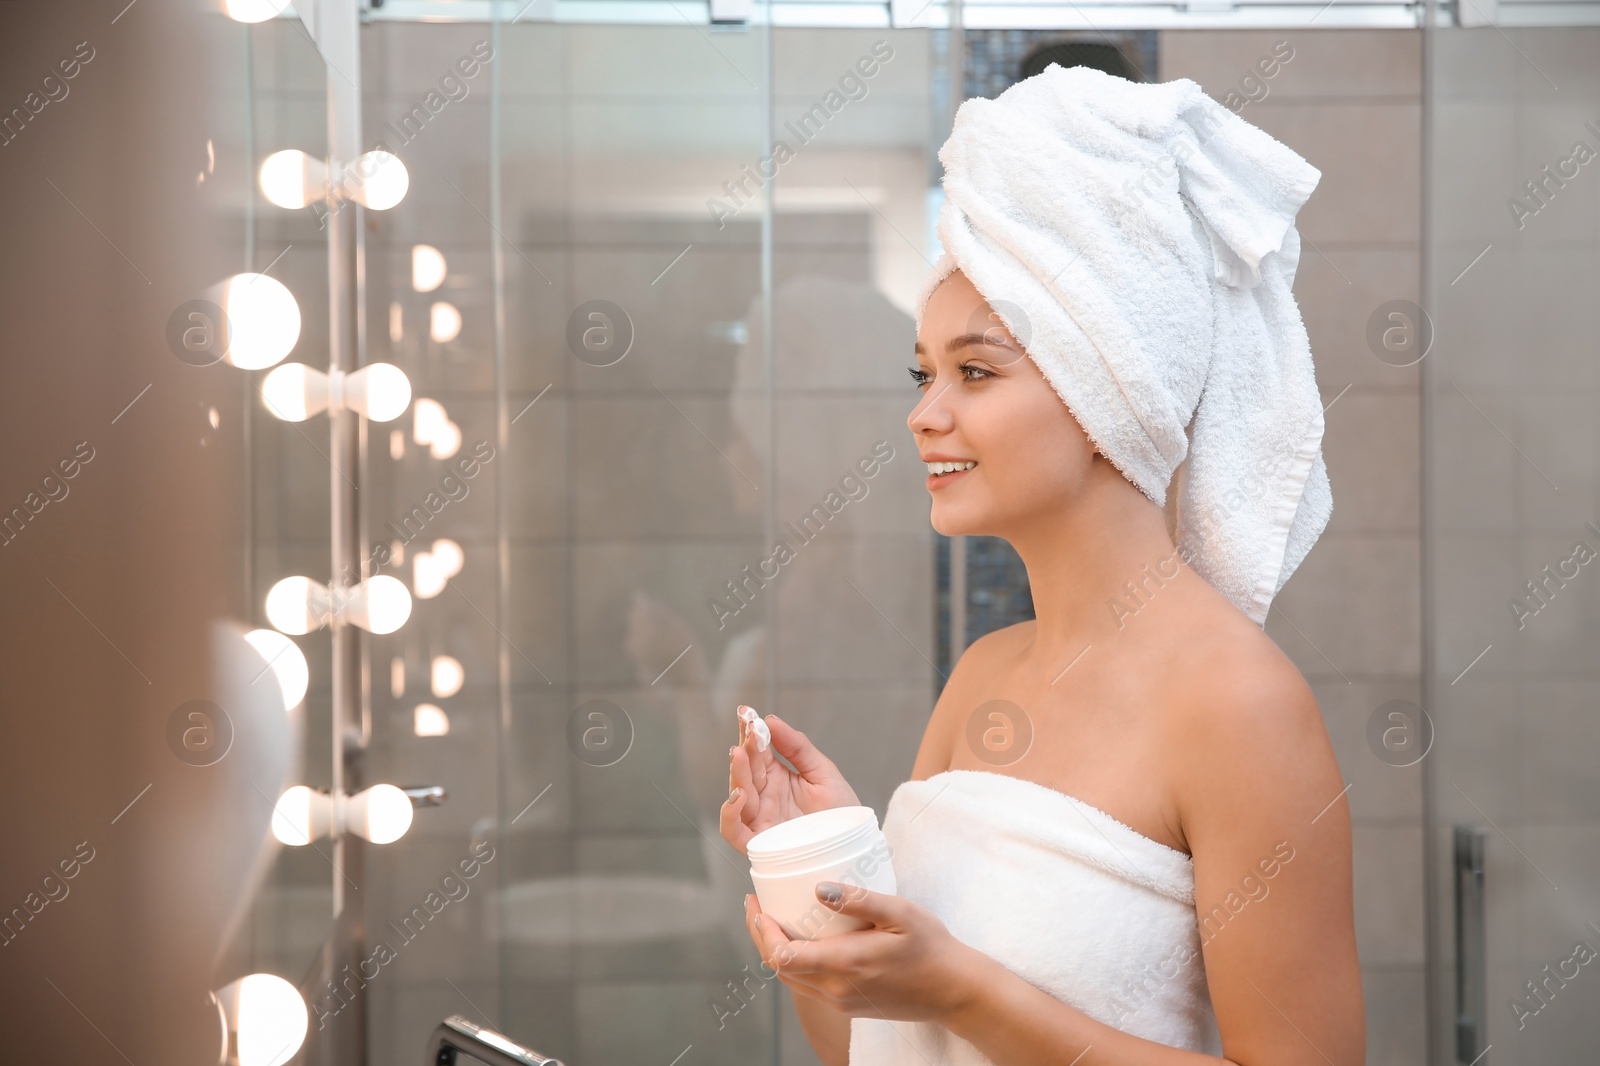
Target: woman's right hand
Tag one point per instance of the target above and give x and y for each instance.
(764, 792)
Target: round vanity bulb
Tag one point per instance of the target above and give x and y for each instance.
(378, 180)
(267, 1018)
(380, 391)
(301, 815)
(254, 10)
(429, 721)
(298, 605)
(381, 814)
(431, 425)
(446, 442)
(263, 320)
(292, 179)
(287, 662)
(428, 417)
(433, 569)
(427, 268)
(294, 392)
(444, 322)
(379, 604)
(446, 676)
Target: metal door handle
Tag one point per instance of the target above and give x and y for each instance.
(457, 1037)
(1471, 964)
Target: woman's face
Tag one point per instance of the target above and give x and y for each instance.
(985, 402)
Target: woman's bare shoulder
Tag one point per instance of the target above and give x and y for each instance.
(1245, 726)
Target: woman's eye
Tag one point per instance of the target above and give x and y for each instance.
(968, 368)
(917, 375)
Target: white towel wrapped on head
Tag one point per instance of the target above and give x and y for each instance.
(1139, 241)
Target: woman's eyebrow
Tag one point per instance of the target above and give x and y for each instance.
(965, 340)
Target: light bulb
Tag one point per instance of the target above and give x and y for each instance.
(254, 10)
(427, 417)
(288, 663)
(446, 676)
(380, 391)
(430, 425)
(294, 392)
(378, 180)
(433, 569)
(266, 1018)
(446, 442)
(381, 814)
(302, 815)
(298, 605)
(263, 320)
(292, 179)
(429, 721)
(427, 267)
(444, 322)
(379, 604)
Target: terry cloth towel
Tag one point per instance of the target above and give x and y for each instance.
(1138, 240)
(1061, 894)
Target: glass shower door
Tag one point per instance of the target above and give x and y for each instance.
(1512, 524)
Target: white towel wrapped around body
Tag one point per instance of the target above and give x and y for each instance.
(1139, 241)
(1060, 893)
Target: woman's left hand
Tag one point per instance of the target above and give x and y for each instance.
(906, 968)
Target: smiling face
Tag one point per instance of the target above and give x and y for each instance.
(988, 413)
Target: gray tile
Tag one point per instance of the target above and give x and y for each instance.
(1397, 1025)
(1477, 749)
(1371, 168)
(638, 604)
(871, 732)
(1388, 893)
(809, 63)
(1339, 291)
(857, 610)
(1353, 607)
(1379, 790)
(683, 62)
(1372, 450)
(1324, 63)
(655, 466)
(664, 1019)
(1560, 735)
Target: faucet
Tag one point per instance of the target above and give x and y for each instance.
(457, 1036)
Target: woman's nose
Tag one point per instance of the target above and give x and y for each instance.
(934, 413)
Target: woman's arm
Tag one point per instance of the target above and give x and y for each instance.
(827, 1030)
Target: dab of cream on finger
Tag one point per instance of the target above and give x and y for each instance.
(757, 726)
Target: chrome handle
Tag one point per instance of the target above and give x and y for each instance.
(1471, 964)
(456, 1037)
(426, 795)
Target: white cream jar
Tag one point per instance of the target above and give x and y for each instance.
(843, 844)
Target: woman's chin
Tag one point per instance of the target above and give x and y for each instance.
(953, 522)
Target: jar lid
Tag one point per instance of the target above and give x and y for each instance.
(811, 834)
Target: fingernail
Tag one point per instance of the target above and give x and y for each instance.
(731, 750)
(829, 893)
(734, 794)
(758, 921)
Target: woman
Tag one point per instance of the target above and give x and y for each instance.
(1124, 831)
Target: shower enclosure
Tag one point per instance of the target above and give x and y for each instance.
(652, 283)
